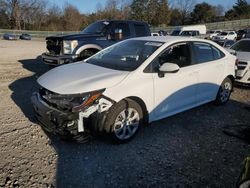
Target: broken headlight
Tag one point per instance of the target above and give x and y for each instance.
(69, 46)
(73, 102)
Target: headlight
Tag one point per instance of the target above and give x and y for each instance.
(69, 46)
(74, 102)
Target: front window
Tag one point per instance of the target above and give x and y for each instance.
(186, 33)
(97, 28)
(242, 46)
(175, 33)
(125, 56)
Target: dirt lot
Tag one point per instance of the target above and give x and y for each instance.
(186, 150)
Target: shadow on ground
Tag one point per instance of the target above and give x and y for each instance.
(24, 87)
(186, 150)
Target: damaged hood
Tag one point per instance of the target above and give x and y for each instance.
(80, 78)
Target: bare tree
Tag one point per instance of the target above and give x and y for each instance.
(185, 7)
(14, 10)
(72, 19)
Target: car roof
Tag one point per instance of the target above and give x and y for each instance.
(169, 39)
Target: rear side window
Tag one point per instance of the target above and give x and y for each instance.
(125, 29)
(205, 52)
(140, 30)
(217, 53)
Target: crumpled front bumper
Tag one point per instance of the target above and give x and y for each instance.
(58, 59)
(51, 119)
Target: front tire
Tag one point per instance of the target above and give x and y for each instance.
(86, 54)
(224, 92)
(123, 121)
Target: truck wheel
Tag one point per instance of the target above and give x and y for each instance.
(124, 120)
(224, 92)
(86, 54)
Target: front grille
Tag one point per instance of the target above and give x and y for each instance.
(54, 46)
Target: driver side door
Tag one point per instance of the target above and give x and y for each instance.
(175, 92)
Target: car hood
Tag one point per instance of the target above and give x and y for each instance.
(80, 78)
(78, 36)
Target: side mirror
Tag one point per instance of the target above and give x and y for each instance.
(231, 51)
(118, 34)
(168, 68)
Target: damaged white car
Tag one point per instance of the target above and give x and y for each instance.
(132, 83)
(242, 50)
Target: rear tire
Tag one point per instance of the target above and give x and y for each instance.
(123, 121)
(224, 92)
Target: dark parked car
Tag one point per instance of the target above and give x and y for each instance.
(242, 33)
(9, 36)
(25, 36)
(95, 37)
(247, 35)
(163, 33)
(225, 43)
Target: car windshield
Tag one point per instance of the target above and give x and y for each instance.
(242, 46)
(97, 28)
(211, 32)
(223, 33)
(125, 56)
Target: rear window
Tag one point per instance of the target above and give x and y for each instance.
(125, 29)
(140, 30)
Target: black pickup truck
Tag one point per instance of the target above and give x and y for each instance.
(95, 37)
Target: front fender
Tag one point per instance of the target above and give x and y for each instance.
(88, 46)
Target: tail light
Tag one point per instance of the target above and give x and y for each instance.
(236, 62)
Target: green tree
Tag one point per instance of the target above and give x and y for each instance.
(138, 8)
(241, 10)
(175, 17)
(204, 13)
(155, 12)
(163, 14)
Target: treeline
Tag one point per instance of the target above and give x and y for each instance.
(42, 15)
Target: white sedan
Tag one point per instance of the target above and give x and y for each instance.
(132, 83)
(242, 49)
(225, 35)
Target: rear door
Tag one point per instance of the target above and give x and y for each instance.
(209, 63)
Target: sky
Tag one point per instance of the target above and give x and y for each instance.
(89, 6)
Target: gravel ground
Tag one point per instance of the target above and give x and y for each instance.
(186, 150)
